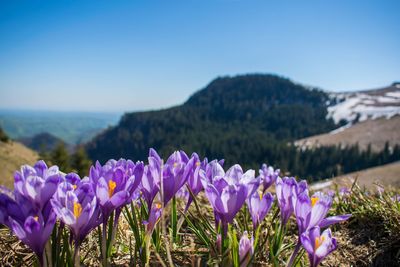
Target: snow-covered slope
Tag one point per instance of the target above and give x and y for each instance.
(360, 106)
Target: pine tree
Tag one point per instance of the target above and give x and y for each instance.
(60, 157)
(80, 162)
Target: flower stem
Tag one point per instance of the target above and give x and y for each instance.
(104, 242)
(114, 231)
(77, 258)
(294, 254)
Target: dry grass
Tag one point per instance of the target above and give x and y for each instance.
(12, 156)
(375, 132)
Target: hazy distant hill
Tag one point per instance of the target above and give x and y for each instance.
(41, 142)
(236, 118)
(71, 127)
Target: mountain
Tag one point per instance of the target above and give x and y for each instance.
(237, 118)
(72, 127)
(41, 142)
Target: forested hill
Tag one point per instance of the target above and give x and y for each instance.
(242, 119)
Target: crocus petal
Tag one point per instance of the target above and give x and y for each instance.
(33, 187)
(119, 198)
(307, 244)
(214, 198)
(333, 220)
(17, 229)
(31, 225)
(318, 212)
(49, 225)
(234, 174)
(102, 191)
(40, 167)
(51, 187)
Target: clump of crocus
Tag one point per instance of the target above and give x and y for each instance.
(246, 249)
(318, 245)
(228, 193)
(37, 183)
(76, 206)
(115, 185)
(287, 190)
(27, 211)
(268, 176)
(259, 205)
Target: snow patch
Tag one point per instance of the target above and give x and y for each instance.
(362, 106)
(340, 129)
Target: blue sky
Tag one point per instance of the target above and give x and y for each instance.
(136, 55)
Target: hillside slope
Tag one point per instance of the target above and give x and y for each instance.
(41, 142)
(12, 156)
(375, 132)
(236, 118)
(386, 175)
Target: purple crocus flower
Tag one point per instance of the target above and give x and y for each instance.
(194, 179)
(287, 190)
(344, 192)
(176, 171)
(235, 175)
(317, 245)
(115, 183)
(199, 173)
(396, 198)
(37, 183)
(76, 206)
(246, 249)
(228, 191)
(31, 225)
(151, 177)
(226, 201)
(154, 217)
(259, 205)
(312, 211)
(268, 175)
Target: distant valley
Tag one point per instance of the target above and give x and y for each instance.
(71, 127)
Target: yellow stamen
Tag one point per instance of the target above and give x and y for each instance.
(261, 195)
(36, 218)
(111, 187)
(74, 186)
(198, 163)
(314, 200)
(77, 210)
(158, 205)
(175, 164)
(318, 242)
